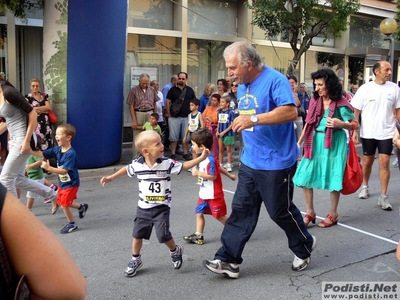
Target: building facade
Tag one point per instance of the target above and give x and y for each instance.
(164, 37)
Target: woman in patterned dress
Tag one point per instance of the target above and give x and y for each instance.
(41, 105)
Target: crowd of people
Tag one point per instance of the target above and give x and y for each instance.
(254, 104)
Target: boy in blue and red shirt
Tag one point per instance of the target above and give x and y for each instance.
(211, 199)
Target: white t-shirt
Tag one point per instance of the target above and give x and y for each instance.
(160, 105)
(377, 103)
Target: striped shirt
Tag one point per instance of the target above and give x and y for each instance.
(225, 119)
(142, 100)
(154, 182)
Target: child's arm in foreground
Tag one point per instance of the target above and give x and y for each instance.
(107, 179)
(196, 172)
(33, 165)
(227, 174)
(191, 163)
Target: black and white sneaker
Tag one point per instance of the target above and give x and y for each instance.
(69, 228)
(221, 267)
(176, 257)
(300, 264)
(82, 210)
(133, 266)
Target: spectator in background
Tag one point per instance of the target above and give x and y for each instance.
(304, 99)
(142, 101)
(344, 93)
(296, 95)
(160, 105)
(354, 89)
(177, 124)
(205, 98)
(167, 87)
(222, 87)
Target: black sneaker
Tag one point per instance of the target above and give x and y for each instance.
(82, 210)
(69, 228)
(133, 266)
(194, 238)
(221, 267)
(176, 257)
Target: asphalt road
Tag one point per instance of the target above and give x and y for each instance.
(360, 248)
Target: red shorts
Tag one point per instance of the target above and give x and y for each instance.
(214, 207)
(66, 196)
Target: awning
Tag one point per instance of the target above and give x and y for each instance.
(165, 58)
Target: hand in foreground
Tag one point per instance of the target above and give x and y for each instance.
(205, 153)
(232, 177)
(45, 165)
(195, 171)
(105, 179)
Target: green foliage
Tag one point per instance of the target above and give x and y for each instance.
(397, 18)
(19, 7)
(57, 65)
(302, 20)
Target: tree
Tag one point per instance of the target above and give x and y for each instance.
(299, 21)
(19, 7)
(397, 18)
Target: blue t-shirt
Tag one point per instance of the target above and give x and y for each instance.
(267, 147)
(67, 160)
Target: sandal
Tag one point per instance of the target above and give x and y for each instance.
(324, 224)
(310, 219)
(54, 209)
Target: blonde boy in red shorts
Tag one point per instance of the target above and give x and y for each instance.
(211, 199)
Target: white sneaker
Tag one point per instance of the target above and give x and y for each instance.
(300, 264)
(395, 163)
(364, 193)
(384, 203)
(228, 167)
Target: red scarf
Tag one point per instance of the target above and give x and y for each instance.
(313, 118)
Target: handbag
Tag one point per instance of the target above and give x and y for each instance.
(177, 104)
(52, 117)
(353, 173)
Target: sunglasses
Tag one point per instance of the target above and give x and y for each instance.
(234, 85)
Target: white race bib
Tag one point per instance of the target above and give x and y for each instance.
(152, 191)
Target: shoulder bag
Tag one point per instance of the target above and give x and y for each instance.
(177, 104)
(52, 117)
(353, 174)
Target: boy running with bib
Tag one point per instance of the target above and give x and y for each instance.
(153, 171)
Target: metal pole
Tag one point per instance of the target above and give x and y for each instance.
(391, 53)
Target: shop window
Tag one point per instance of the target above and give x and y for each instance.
(213, 17)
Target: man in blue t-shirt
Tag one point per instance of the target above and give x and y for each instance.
(268, 162)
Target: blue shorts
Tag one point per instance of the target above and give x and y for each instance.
(177, 128)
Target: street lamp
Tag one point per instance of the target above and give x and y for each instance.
(389, 26)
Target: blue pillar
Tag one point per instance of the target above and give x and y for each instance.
(95, 78)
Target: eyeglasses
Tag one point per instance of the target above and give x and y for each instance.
(234, 85)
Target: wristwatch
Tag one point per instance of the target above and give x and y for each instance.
(254, 119)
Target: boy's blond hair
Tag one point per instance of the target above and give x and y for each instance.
(69, 129)
(142, 139)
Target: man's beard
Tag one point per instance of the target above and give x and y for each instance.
(180, 83)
